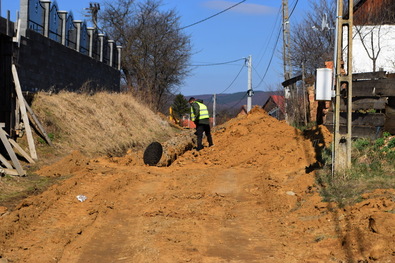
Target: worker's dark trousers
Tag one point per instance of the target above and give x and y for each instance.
(200, 128)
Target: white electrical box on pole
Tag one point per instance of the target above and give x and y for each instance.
(249, 92)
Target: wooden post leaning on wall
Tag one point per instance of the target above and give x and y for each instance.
(9, 168)
(25, 118)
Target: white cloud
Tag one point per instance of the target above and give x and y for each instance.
(244, 8)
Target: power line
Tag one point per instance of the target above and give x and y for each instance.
(271, 35)
(198, 22)
(275, 46)
(216, 64)
(234, 105)
(271, 59)
(293, 9)
(233, 79)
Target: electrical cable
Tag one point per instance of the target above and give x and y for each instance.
(271, 35)
(275, 46)
(203, 20)
(270, 61)
(216, 64)
(256, 71)
(293, 9)
(233, 80)
(234, 105)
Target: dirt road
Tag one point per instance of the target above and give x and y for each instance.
(247, 199)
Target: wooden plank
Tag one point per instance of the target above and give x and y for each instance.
(369, 75)
(38, 123)
(5, 162)
(369, 88)
(9, 171)
(359, 119)
(25, 118)
(11, 153)
(365, 103)
(21, 151)
(289, 82)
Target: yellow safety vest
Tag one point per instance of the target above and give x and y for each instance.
(203, 112)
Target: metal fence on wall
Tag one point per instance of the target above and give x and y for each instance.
(44, 17)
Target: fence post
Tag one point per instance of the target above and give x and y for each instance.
(90, 30)
(119, 56)
(111, 47)
(77, 24)
(101, 47)
(63, 17)
(24, 16)
(47, 4)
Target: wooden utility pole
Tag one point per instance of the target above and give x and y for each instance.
(342, 137)
(286, 57)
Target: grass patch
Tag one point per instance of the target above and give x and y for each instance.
(14, 189)
(373, 167)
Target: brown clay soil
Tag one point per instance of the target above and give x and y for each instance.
(247, 199)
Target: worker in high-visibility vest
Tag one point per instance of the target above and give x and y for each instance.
(200, 116)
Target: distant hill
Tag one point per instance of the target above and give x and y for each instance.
(236, 100)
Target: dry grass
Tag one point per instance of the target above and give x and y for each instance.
(99, 124)
(96, 125)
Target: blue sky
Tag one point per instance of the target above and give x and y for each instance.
(251, 28)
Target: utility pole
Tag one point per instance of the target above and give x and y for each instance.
(286, 58)
(250, 93)
(342, 138)
(93, 10)
(214, 108)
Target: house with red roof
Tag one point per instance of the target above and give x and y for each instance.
(275, 106)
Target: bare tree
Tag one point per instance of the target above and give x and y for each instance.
(372, 30)
(370, 38)
(155, 52)
(313, 38)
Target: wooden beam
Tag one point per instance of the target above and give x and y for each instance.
(359, 119)
(9, 171)
(289, 82)
(5, 162)
(360, 131)
(25, 118)
(38, 123)
(21, 151)
(11, 153)
(369, 75)
(362, 103)
(369, 88)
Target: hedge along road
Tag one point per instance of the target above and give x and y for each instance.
(247, 199)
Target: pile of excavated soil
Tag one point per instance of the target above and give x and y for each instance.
(249, 198)
(256, 140)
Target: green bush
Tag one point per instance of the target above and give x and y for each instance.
(379, 143)
(361, 144)
(391, 143)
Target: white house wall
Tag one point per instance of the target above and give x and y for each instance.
(383, 40)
